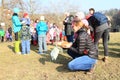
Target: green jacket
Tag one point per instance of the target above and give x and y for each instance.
(2, 32)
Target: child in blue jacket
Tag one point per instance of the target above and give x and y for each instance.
(42, 29)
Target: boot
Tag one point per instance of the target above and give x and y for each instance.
(17, 47)
(105, 59)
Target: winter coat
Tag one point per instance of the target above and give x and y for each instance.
(98, 24)
(10, 30)
(42, 28)
(25, 33)
(27, 21)
(83, 45)
(68, 25)
(2, 32)
(16, 23)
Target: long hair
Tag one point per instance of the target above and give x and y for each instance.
(80, 24)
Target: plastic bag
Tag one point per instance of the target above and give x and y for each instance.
(55, 52)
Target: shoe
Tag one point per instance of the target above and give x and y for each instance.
(23, 54)
(91, 70)
(28, 52)
(44, 51)
(105, 59)
(40, 53)
(18, 53)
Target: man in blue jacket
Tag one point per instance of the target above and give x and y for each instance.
(101, 29)
(42, 29)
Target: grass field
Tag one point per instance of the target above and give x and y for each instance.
(41, 67)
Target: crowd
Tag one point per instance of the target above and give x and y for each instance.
(82, 32)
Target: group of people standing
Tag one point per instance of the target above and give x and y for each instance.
(22, 31)
(5, 35)
(82, 32)
(27, 32)
(88, 30)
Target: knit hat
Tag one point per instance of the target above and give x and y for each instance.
(42, 18)
(80, 15)
(85, 22)
(25, 14)
(16, 10)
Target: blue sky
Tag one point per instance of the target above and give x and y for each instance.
(84, 5)
(100, 4)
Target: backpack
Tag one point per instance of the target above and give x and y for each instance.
(25, 32)
(100, 17)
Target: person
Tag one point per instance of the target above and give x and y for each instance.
(82, 50)
(101, 30)
(2, 33)
(25, 36)
(26, 19)
(42, 29)
(81, 16)
(7, 35)
(34, 40)
(10, 32)
(52, 32)
(56, 33)
(68, 27)
(48, 34)
(16, 29)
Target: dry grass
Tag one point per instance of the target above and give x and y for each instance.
(40, 67)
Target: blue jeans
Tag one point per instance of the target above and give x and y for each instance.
(25, 46)
(42, 43)
(82, 63)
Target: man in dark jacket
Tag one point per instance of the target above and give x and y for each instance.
(68, 27)
(101, 29)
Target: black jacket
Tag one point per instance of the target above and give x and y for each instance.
(68, 25)
(84, 42)
(93, 22)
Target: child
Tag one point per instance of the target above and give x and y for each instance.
(42, 29)
(2, 33)
(25, 37)
(7, 35)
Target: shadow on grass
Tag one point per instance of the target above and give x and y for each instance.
(34, 48)
(63, 68)
(11, 47)
(61, 59)
(113, 52)
(112, 44)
